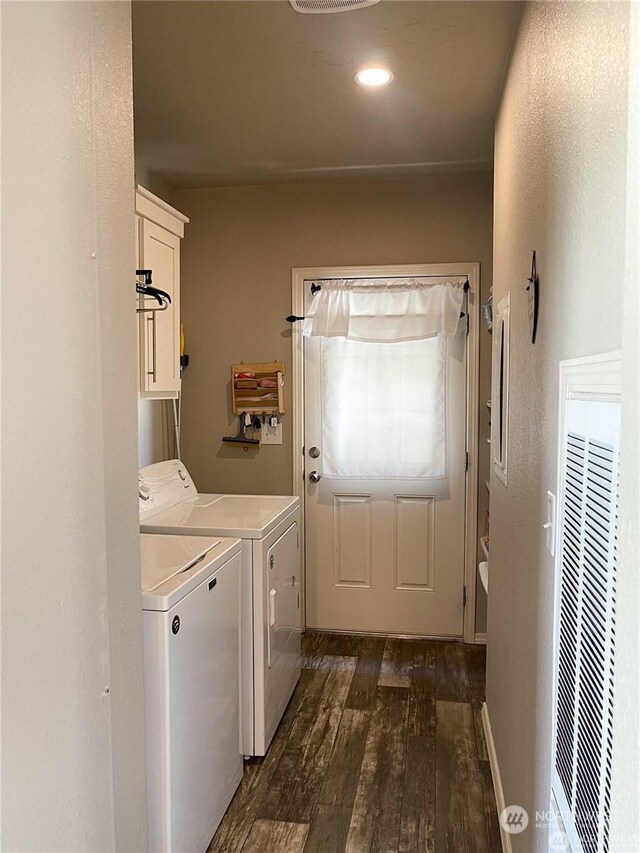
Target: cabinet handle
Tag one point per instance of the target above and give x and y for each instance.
(152, 319)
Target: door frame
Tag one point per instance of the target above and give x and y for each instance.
(472, 270)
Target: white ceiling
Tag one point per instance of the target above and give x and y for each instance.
(250, 91)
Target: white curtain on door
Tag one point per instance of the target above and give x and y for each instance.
(383, 408)
(385, 310)
(383, 373)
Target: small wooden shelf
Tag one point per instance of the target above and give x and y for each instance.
(249, 394)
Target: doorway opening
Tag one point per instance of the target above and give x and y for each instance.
(385, 456)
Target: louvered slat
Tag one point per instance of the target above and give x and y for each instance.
(565, 723)
(586, 631)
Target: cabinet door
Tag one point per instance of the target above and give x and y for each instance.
(160, 330)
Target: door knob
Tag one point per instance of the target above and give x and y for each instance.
(314, 477)
(314, 452)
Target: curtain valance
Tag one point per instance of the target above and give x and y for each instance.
(385, 310)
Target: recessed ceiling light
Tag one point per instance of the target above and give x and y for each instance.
(374, 76)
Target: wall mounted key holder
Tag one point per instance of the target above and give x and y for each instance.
(257, 388)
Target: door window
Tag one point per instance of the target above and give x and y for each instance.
(383, 408)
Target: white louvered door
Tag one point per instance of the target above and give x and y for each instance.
(585, 616)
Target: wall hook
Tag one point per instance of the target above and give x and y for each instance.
(533, 294)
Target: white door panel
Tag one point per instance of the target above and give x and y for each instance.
(386, 554)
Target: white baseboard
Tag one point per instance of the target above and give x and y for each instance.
(495, 774)
(480, 639)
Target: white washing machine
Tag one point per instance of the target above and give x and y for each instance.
(269, 527)
(191, 631)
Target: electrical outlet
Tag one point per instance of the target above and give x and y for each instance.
(271, 434)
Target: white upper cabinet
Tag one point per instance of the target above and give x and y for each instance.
(159, 229)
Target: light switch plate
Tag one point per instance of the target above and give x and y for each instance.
(271, 434)
(550, 526)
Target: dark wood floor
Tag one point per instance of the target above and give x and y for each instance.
(380, 749)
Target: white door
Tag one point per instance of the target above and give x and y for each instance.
(385, 553)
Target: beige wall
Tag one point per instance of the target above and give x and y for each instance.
(152, 181)
(237, 257)
(72, 702)
(156, 431)
(560, 184)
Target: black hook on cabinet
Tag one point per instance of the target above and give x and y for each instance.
(146, 289)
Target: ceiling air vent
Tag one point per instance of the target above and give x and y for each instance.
(320, 7)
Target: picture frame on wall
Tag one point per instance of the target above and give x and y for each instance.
(500, 387)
